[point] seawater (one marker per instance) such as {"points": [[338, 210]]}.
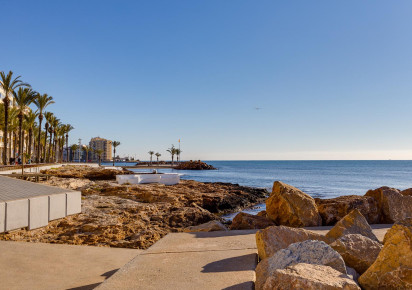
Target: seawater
{"points": [[324, 179]]}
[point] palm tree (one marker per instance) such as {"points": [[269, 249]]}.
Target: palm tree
{"points": [[30, 118], [42, 101], [73, 149], [8, 84], [157, 156], [115, 144], [99, 153], [151, 155], [178, 151], [68, 128], [24, 97], [172, 151], [49, 118], [86, 149]]}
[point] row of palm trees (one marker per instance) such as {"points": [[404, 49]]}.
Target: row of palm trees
{"points": [[19, 126], [172, 150]]}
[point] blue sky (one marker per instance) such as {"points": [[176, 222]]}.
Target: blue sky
{"points": [[333, 78]]}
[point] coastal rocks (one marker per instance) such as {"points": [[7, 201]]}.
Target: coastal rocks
{"points": [[244, 221], [393, 266], [310, 252], [333, 209], [91, 173], [194, 165], [358, 252], [290, 206], [353, 223], [273, 239], [407, 191], [211, 226], [309, 277], [392, 204]]}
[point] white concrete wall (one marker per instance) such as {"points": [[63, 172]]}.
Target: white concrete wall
{"points": [[17, 214], [2, 217], [38, 212], [57, 206], [73, 202]]}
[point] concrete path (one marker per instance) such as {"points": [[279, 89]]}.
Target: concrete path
{"points": [[54, 266], [215, 260]]}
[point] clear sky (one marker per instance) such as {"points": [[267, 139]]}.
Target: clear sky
{"points": [[333, 79]]}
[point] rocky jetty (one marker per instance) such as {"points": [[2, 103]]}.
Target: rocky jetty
{"points": [[194, 165], [244, 221]]}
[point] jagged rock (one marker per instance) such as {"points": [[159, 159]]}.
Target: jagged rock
{"points": [[262, 213], [353, 223], [211, 226], [352, 274], [393, 267], [194, 165], [334, 209], [91, 173], [244, 221], [392, 204], [358, 252], [290, 206], [273, 239], [407, 191], [310, 252], [308, 277]]}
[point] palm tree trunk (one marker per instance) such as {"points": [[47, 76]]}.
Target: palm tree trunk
{"points": [[30, 142], [67, 147], [20, 148], [46, 127], [6, 127], [39, 140], [50, 147]]}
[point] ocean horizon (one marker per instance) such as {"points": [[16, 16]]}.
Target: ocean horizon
{"points": [[318, 178]]}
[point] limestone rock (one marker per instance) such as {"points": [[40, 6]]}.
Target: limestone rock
{"points": [[334, 209], [211, 226], [290, 206], [244, 221], [392, 204], [262, 213], [308, 276], [358, 252], [273, 239], [353, 223], [310, 252], [352, 274], [407, 191], [393, 267]]}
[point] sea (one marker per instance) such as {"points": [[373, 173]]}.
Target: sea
{"points": [[324, 179]]}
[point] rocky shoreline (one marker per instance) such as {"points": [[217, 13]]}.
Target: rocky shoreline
{"points": [[135, 216]]}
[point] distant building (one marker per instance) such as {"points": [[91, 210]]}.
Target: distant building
{"points": [[103, 144]]}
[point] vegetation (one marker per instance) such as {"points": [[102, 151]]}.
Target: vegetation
{"points": [[115, 144], [99, 153], [157, 156], [172, 151], [20, 107], [151, 156]]}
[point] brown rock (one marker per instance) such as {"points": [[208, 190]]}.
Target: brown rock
{"points": [[290, 206], [262, 213], [407, 191], [309, 252], [393, 205], [244, 221], [334, 209], [273, 239], [393, 267], [353, 223], [211, 226], [308, 276], [358, 252]]}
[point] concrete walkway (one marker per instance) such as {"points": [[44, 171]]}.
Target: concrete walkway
{"points": [[52, 266]]}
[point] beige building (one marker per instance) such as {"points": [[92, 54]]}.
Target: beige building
{"points": [[103, 144]]}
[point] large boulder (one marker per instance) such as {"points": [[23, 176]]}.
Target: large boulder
{"points": [[407, 191], [290, 206], [334, 209], [309, 277], [273, 239], [392, 204], [352, 223], [211, 226], [245, 221], [310, 252], [393, 267], [358, 252]]}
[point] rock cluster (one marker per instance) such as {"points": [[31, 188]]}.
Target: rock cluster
{"points": [[85, 172], [244, 221], [194, 165]]}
